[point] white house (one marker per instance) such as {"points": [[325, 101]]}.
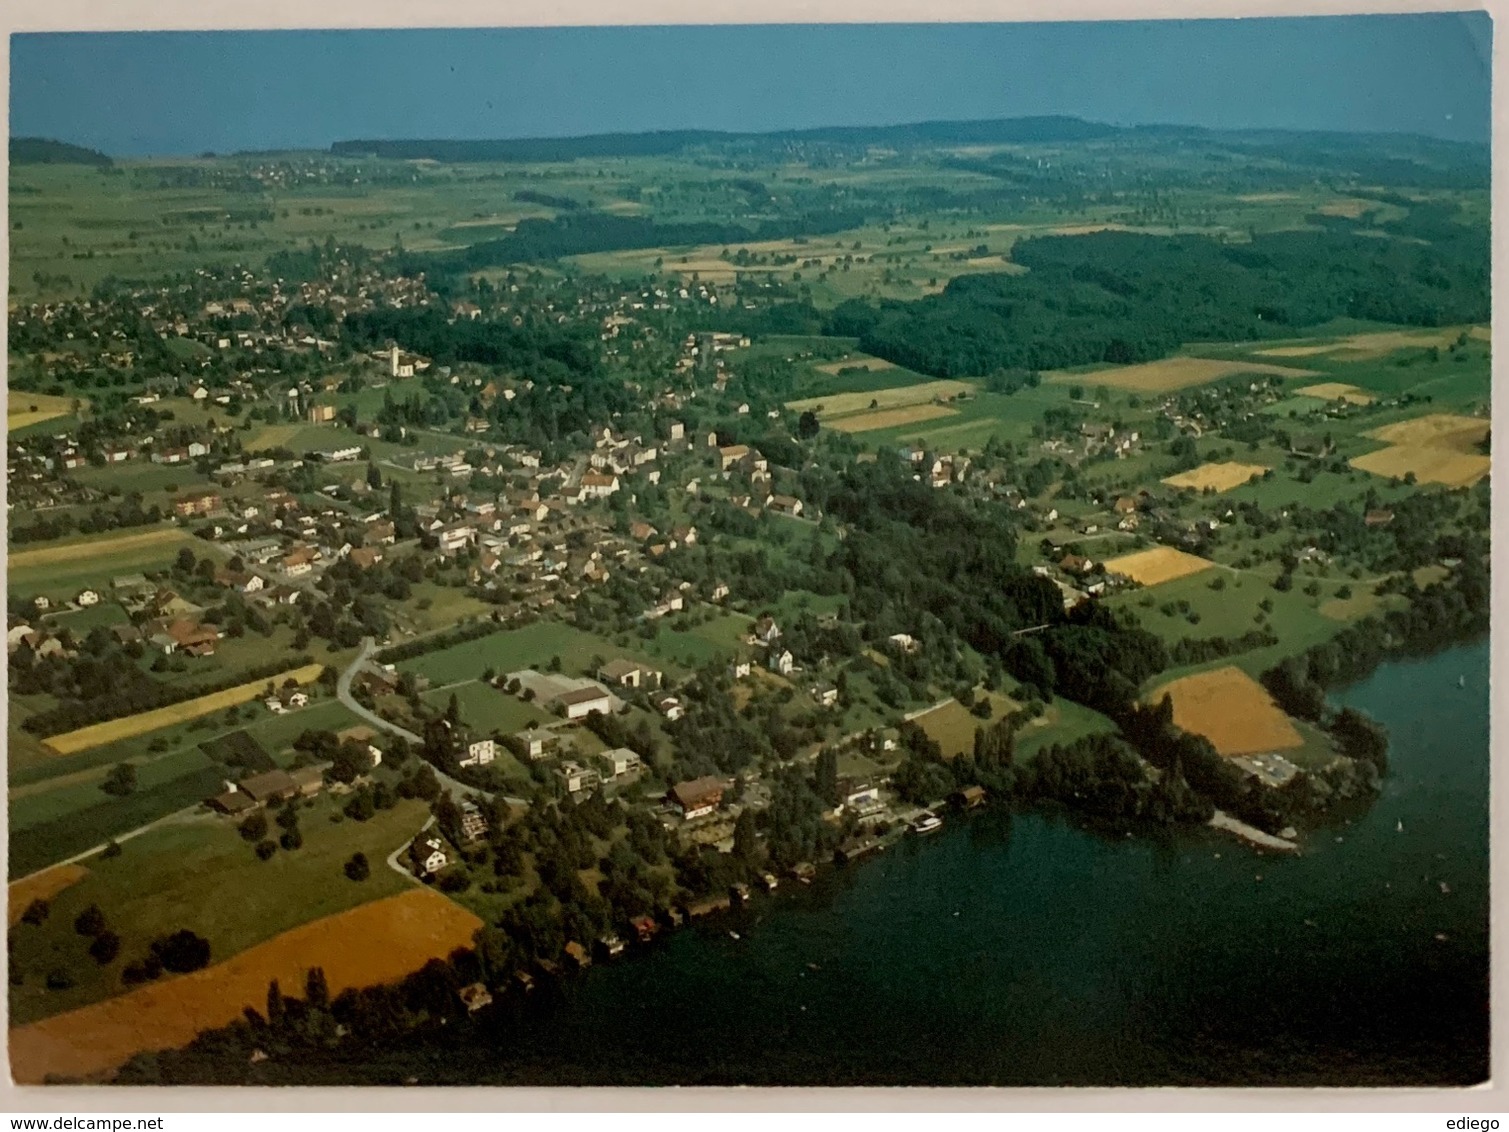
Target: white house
{"points": [[479, 753], [619, 761], [428, 853], [87, 597], [582, 702], [782, 662]]}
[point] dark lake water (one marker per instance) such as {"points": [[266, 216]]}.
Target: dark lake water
{"points": [[1027, 950]]}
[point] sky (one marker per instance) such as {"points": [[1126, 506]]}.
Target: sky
{"points": [[159, 93]]}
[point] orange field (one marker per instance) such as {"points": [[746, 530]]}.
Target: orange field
{"points": [[1438, 448], [42, 886], [890, 418], [1232, 710], [1158, 565], [1337, 391], [1171, 373], [375, 943], [1222, 477]]}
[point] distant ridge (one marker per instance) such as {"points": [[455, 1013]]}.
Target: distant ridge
{"points": [[46, 151], [659, 142]]}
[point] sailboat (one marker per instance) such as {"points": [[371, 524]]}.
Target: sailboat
{"points": [[1399, 827]]}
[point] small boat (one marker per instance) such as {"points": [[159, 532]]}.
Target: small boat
{"points": [[734, 935], [927, 822], [1399, 827], [1445, 889], [1461, 681]]}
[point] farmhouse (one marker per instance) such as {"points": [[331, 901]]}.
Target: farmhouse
{"points": [[427, 852], [271, 784], [696, 798], [782, 662]]}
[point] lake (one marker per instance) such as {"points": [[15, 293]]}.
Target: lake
{"points": [[1028, 950]]}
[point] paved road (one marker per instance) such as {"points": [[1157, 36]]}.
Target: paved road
{"points": [[457, 788]]}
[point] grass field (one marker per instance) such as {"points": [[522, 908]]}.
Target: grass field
{"points": [[487, 710], [1169, 374], [376, 943], [533, 646], [182, 874], [112, 730], [1232, 710], [1063, 721], [1157, 565], [952, 726], [1221, 477]]}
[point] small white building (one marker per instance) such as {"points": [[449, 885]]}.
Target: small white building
{"points": [[619, 761], [479, 753]]}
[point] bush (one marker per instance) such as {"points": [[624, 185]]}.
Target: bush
{"points": [[106, 946], [265, 849], [291, 839], [59, 979], [91, 921], [36, 912], [357, 868], [142, 972], [254, 828], [181, 952]]}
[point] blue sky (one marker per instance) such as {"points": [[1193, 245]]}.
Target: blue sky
{"points": [[165, 93]]}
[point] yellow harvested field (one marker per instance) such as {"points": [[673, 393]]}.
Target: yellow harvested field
{"points": [[1260, 198], [1436, 430], [1232, 710], [1172, 373], [873, 365], [1430, 465], [22, 409], [96, 548], [891, 418], [839, 404], [1362, 347], [98, 734], [1158, 565], [1438, 448], [41, 886], [1337, 391], [1222, 477], [376, 943]]}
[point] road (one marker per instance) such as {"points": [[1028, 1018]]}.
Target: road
{"points": [[457, 788]]}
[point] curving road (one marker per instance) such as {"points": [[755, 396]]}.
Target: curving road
{"points": [[457, 788]]}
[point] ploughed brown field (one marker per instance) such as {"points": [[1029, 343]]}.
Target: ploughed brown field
{"points": [[376, 943], [1232, 710]]}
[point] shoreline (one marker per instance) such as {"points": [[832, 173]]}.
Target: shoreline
{"points": [[1251, 834]]}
